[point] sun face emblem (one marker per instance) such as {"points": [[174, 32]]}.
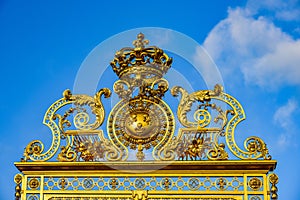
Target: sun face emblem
{"points": [[140, 124]]}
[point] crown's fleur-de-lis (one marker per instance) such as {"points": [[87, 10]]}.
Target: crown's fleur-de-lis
{"points": [[141, 41]]}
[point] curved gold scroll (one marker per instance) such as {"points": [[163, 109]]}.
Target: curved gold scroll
{"points": [[34, 151]]}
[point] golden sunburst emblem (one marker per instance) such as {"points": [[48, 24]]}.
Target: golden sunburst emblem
{"points": [[141, 123]]}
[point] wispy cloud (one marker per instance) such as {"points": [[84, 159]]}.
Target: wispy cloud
{"points": [[285, 10], [284, 118], [261, 51], [283, 114]]}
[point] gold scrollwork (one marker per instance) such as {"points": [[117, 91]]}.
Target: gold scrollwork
{"points": [[218, 153], [66, 155], [123, 89], [204, 143], [81, 119], [156, 87], [142, 120], [35, 147], [170, 151], [35, 150], [203, 117], [186, 101], [255, 147]]}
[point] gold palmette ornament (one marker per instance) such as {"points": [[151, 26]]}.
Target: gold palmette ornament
{"points": [[196, 158]]}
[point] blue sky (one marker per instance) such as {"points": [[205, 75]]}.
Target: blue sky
{"points": [[255, 45]]}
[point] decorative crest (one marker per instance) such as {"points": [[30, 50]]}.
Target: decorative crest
{"points": [[142, 121], [141, 127]]}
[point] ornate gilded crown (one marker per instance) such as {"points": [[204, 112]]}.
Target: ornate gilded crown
{"points": [[139, 61]]}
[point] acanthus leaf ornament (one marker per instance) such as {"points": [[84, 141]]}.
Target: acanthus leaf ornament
{"points": [[185, 104]]}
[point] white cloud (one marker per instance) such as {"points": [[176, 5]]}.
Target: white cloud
{"points": [[277, 67], [288, 15], [284, 118], [264, 54], [283, 115], [284, 10]]}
